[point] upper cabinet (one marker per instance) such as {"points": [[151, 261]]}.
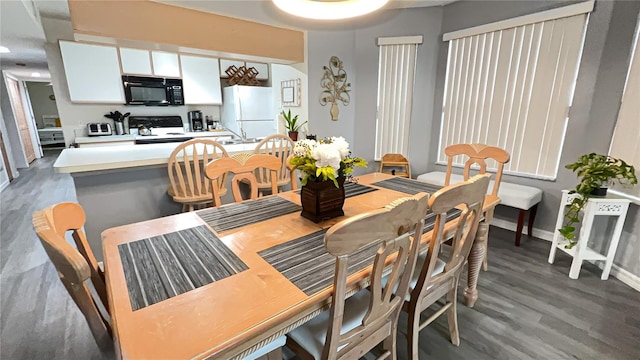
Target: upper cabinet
{"points": [[135, 61], [93, 73], [201, 80], [165, 64]]}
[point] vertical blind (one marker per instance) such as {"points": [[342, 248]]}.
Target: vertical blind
{"points": [[626, 138], [396, 71], [512, 87]]}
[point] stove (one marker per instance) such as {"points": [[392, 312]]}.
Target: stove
{"points": [[159, 125], [164, 129]]}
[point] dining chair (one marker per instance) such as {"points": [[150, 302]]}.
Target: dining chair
{"points": [[189, 185], [478, 154], [355, 325], [75, 266], [243, 167], [434, 278], [280, 146]]}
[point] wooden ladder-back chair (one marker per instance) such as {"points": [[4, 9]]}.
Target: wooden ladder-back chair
{"points": [[280, 146], [189, 185], [478, 154], [433, 278], [243, 167], [75, 266], [353, 326]]}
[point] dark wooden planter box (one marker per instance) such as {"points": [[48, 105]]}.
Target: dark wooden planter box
{"points": [[322, 200]]}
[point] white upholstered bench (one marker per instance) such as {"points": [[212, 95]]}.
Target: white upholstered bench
{"points": [[525, 198]]}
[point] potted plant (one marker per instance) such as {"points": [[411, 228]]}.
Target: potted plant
{"points": [[324, 165], [596, 173], [291, 124]]}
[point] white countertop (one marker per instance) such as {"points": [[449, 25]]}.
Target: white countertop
{"points": [[123, 138], [85, 159]]}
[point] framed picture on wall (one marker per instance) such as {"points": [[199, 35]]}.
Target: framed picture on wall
{"points": [[290, 92]]}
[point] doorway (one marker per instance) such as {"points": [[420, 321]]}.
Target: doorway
{"points": [[44, 109], [22, 122]]}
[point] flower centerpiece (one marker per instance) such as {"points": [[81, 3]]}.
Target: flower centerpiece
{"points": [[324, 164]]}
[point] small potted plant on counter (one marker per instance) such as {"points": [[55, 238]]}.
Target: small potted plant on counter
{"points": [[118, 118], [596, 173], [291, 124]]}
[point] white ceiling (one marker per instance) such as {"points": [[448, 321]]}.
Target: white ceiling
{"points": [[21, 29]]}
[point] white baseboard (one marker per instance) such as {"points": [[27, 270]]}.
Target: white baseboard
{"points": [[619, 273], [504, 224]]}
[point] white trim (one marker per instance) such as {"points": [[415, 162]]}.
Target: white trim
{"points": [[506, 172], [508, 225], [400, 40], [565, 11], [619, 273], [635, 199]]}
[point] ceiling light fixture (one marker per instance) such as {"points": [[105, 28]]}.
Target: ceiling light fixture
{"points": [[4, 50], [329, 9], [35, 74]]}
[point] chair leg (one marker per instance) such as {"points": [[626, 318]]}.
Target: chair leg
{"points": [[452, 315], [184, 208], [413, 333], [532, 218], [389, 344], [520, 226]]}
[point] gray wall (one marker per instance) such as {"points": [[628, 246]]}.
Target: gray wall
{"points": [[599, 87], [358, 49], [41, 104]]}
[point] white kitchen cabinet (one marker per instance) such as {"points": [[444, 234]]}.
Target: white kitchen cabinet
{"points": [[135, 61], [165, 64], [93, 73], [201, 80], [226, 63], [263, 70]]}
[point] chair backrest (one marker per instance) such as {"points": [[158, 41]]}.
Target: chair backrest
{"points": [[74, 266], [186, 168], [389, 231], [243, 167], [477, 154], [280, 146], [468, 196]]}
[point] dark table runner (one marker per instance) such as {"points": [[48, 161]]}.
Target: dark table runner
{"points": [[248, 212], [161, 267], [407, 186], [353, 189], [307, 264]]}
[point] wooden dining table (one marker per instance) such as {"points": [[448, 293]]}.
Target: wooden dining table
{"points": [[254, 302]]}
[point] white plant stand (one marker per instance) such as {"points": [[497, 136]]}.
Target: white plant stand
{"points": [[610, 205]]}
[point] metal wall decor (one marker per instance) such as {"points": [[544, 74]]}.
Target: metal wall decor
{"points": [[335, 86]]}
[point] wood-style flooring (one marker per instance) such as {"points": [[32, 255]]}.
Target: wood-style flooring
{"points": [[527, 309]]}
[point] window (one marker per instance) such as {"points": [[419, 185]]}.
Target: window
{"points": [[396, 71], [510, 84], [626, 137]]}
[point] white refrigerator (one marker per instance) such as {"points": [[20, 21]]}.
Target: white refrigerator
{"points": [[249, 109]]}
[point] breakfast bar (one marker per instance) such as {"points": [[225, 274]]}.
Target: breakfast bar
{"points": [[118, 185]]}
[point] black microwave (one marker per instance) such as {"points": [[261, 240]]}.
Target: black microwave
{"points": [[152, 91]]}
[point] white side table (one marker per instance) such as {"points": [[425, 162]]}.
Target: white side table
{"points": [[610, 205]]}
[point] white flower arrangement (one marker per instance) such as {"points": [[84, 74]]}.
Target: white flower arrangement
{"points": [[325, 159]]}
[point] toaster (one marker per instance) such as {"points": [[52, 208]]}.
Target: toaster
{"points": [[98, 129]]}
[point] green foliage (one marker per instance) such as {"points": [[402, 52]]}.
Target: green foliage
{"points": [[291, 122], [303, 160], [595, 171]]}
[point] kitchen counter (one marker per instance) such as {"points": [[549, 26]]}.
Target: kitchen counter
{"points": [[89, 159], [110, 140], [118, 185]]}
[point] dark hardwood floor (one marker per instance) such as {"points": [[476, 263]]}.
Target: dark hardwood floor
{"points": [[527, 309]]}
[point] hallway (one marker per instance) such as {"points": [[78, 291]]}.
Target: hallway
{"points": [[38, 318]]}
